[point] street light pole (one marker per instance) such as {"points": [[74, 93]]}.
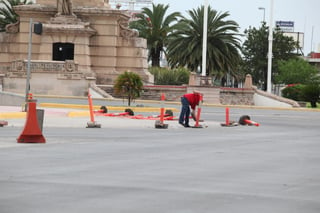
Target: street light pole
{"points": [[270, 39], [264, 13], [29, 64], [204, 39]]}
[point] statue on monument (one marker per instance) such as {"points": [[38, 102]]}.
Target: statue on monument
{"points": [[65, 7]]}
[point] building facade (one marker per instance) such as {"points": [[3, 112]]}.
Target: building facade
{"points": [[78, 42]]}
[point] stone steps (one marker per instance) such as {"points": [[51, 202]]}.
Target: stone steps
{"points": [[211, 95]]}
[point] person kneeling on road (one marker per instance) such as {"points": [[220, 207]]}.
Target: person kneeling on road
{"points": [[189, 100]]}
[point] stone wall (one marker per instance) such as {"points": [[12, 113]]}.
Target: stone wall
{"points": [[172, 93], [46, 77], [11, 99], [64, 87], [236, 96], [227, 96]]}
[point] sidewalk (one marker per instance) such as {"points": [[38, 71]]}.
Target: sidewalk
{"points": [[72, 110], [13, 112], [76, 115]]}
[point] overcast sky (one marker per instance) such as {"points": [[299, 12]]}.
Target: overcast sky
{"points": [[304, 13]]}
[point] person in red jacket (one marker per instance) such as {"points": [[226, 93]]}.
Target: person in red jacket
{"points": [[189, 100]]}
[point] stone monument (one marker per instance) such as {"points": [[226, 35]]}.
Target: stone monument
{"points": [[64, 7], [81, 42]]}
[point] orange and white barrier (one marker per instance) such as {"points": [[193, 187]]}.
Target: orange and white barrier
{"points": [[245, 120], [159, 124], [250, 122], [91, 123]]}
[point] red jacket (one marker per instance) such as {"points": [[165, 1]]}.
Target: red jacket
{"points": [[193, 99]]}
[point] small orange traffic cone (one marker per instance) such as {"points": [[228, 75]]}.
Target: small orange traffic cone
{"points": [[245, 120]]}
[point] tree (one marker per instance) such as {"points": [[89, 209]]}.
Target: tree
{"points": [[302, 79], [155, 26], [293, 91], [295, 71], [185, 43], [128, 84], [7, 14], [255, 51]]}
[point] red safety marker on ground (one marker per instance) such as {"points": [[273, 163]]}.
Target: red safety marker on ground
{"points": [[3, 123], [115, 114]]}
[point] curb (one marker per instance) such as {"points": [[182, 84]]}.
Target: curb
{"points": [[178, 103], [12, 115], [19, 115], [122, 109], [112, 108]]}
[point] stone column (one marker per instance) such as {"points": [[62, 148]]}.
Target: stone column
{"points": [[248, 82]]}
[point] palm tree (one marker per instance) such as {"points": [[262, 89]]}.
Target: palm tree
{"points": [[185, 44], [7, 14], [155, 26]]}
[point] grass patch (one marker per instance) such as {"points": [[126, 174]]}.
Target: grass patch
{"points": [[309, 105]]}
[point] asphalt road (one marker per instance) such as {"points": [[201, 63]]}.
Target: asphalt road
{"points": [[128, 166]]}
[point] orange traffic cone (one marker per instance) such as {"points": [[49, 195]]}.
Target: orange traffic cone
{"points": [[31, 132], [245, 120]]}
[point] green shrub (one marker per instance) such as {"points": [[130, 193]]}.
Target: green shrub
{"points": [[311, 93], [298, 92], [293, 92], [163, 76], [128, 84]]}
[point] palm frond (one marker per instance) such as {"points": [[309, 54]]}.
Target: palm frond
{"points": [[185, 43], [7, 13]]}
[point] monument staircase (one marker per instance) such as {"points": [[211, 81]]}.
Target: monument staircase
{"points": [[211, 95]]}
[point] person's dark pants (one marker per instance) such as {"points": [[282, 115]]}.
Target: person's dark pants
{"points": [[185, 112]]}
